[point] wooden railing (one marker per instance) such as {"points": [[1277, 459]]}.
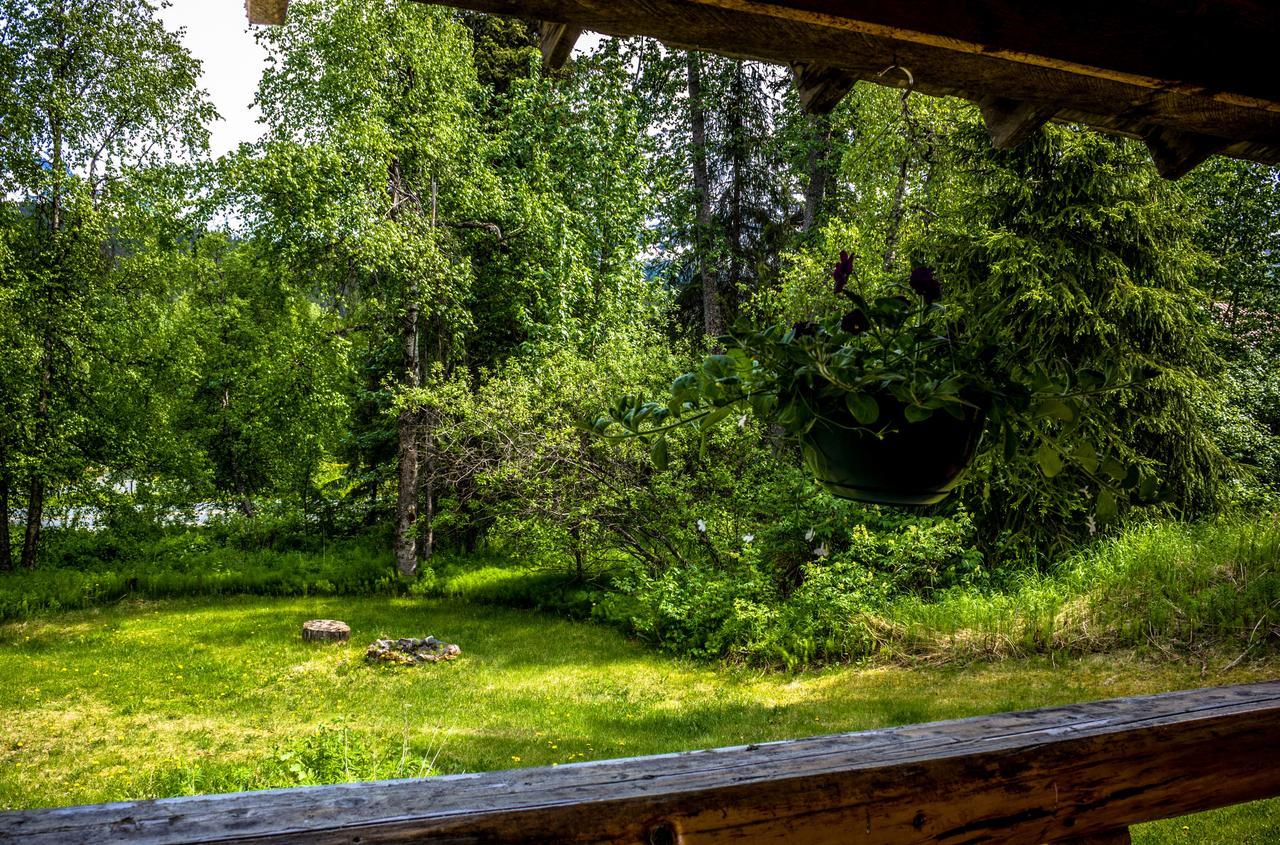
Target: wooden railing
{"points": [[1082, 773]]}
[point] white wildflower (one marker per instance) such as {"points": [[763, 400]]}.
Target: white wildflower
{"points": [[808, 536], [822, 551], [702, 526], [747, 538]]}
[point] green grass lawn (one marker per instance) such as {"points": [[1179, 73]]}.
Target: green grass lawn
{"points": [[211, 695]]}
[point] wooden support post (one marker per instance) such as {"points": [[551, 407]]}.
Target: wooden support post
{"points": [[1178, 153], [1010, 122], [558, 40], [821, 88]]}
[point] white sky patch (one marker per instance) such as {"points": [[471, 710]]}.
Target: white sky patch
{"points": [[217, 33]]}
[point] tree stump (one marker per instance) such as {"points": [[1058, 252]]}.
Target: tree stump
{"points": [[326, 631]]}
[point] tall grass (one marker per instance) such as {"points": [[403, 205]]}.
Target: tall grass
{"points": [[1167, 586], [92, 571]]}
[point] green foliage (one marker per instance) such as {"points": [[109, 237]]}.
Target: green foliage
{"points": [[1165, 586], [93, 92], [198, 696], [883, 367], [91, 569], [1071, 249]]}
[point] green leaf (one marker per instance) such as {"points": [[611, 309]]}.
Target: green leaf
{"points": [[795, 416], [1115, 468], [709, 421], [1087, 456], [1106, 507], [864, 408], [1049, 460], [1055, 409], [1010, 443], [763, 405], [658, 453], [915, 414]]}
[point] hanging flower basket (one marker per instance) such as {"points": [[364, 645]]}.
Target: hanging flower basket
{"points": [[910, 463], [888, 402]]}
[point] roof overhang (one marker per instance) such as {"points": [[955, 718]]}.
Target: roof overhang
{"points": [[1189, 78]]}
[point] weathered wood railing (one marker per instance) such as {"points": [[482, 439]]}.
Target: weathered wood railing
{"points": [[1080, 773]]}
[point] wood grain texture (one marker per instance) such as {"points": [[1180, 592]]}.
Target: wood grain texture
{"points": [[326, 630], [1114, 837], [1178, 153], [270, 12], [1010, 122], [821, 88], [1199, 68], [1054, 775], [558, 41]]}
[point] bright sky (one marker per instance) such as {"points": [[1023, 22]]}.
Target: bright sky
{"points": [[217, 33]]}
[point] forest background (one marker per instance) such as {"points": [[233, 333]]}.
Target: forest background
{"points": [[354, 355]]}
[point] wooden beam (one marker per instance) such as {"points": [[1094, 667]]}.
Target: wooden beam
{"points": [[1178, 153], [1081, 772], [558, 41], [1010, 122], [1060, 53], [1114, 837], [1220, 48], [271, 12], [820, 87]]}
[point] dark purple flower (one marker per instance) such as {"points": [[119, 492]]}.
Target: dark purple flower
{"points": [[923, 283], [855, 322], [804, 328], [842, 271]]}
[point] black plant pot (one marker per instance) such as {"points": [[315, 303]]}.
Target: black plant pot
{"points": [[914, 464]]}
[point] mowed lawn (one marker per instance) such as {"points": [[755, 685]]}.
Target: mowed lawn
{"points": [[163, 698]]}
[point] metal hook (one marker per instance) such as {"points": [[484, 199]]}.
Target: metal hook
{"points": [[906, 97], [911, 80]]}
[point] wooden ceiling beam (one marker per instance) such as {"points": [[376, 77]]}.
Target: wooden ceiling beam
{"points": [[820, 87], [558, 41], [1010, 122], [269, 12], [862, 38], [1178, 153], [1220, 49]]}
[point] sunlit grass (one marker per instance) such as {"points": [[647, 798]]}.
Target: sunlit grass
{"points": [[163, 698]]}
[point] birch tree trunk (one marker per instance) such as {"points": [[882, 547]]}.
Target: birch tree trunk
{"points": [[894, 227]]}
